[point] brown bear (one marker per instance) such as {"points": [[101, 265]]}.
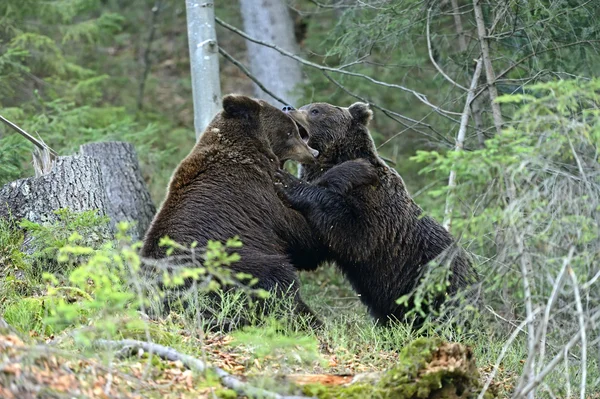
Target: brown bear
{"points": [[360, 209], [224, 188]]}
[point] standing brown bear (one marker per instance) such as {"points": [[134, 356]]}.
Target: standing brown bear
{"points": [[224, 188], [361, 210]]}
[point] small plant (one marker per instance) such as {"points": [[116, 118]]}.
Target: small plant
{"points": [[44, 240]]}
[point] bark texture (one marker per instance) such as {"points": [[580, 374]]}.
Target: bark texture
{"points": [[270, 21], [74, 182], [126, 191], [204, 62]]}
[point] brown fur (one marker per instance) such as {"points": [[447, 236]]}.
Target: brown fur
{"points": [[361, 210], [224, 188]]}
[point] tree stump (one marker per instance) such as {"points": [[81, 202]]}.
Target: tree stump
{"points": [[127, 193], [75, 182]]}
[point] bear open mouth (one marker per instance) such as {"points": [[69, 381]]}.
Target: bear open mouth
{"points": [[302, 124], [303, 132]]}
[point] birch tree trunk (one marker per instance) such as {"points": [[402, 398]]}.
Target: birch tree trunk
{"points": [[204, 62], [126, 190], [270, 21]]}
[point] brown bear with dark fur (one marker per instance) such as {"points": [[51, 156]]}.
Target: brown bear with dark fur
{"points": [[224, 188], [361, 210]]}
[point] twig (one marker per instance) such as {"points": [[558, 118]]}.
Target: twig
{"points": [[551, 300], [582, 331], [36, 142], [389, 113], [538, 379], [460, 139], [528, 56], [164, 352], [249, 74], [503, 352], [435, 64], [421, 97], [531, 341], [334, 6], [147, 61]]}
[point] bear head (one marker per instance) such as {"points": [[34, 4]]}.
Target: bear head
{"points": [[339, 134], [287, 135]]}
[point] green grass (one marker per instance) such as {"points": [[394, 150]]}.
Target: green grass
{"points": [[348, 343]]}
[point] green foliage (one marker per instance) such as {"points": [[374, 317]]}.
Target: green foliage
{"points": [[98, 287], [56, 83], [530, 204], [87, 228]]}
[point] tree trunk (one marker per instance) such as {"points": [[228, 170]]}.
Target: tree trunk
{"points": [[270, 21], [487, 65], [74, 182], [126, 191], [204, 62]]}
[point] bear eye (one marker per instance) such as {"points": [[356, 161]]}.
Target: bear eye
{"points": [[314, 111]]}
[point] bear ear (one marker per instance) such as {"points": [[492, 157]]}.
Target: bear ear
{"points": [[237, 106], [361, 113]]}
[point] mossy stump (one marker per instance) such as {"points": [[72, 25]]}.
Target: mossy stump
{"points": [[428, 368]]}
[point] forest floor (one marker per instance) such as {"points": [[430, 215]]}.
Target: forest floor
{"points": [[272, 356]]}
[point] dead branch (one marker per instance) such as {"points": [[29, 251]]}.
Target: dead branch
{"points": [[435, 64], [421, 97], [166, 353], [390, 114], [42, 146], [582, 333], [554, 362], [249, 74], [460, 139]]}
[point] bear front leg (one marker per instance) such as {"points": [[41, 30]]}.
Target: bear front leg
{"points": [[348, 175], [292, 190]]}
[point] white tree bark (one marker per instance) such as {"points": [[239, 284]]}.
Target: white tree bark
{"points": [[270, 21], [204, 62], [460, 140]]}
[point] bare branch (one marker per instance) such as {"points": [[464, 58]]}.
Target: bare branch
{"points": [[581, 331], [421, 97], [531, 341], [528, 56], [435, 64], [390, 114], [250, 75], [42, 146], [460, 139], [167, 353], [503, 352], [551, 300], [559, 356]]}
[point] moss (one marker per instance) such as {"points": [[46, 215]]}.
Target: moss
{"points": [[427, 368], [226, 393]]}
